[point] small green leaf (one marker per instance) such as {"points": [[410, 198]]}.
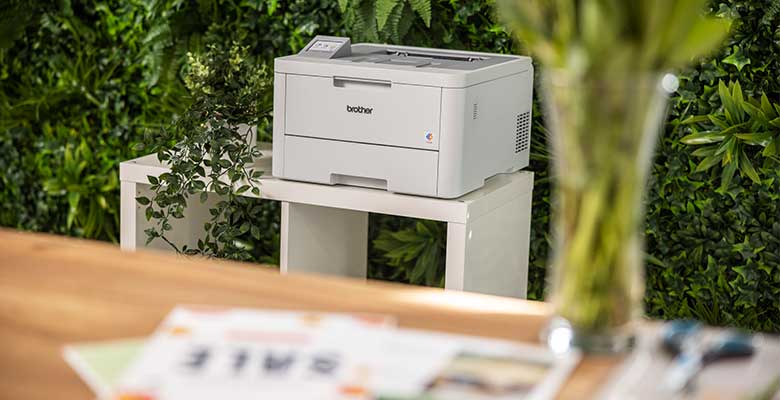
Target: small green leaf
{"points": [[695, 119], [243, 245], [419, 269], [725, 147], [726, 100], [272, 4], [704, 151], [752, 110], [422, 229], [758, 138], [766, 107], [718, 120], [728, 173], [737, 58], [747, 167], [708, 163], [382, 10], [736, 93], [423, 9], [703, 138], [406, 235], [772, 148], [101, 200]]}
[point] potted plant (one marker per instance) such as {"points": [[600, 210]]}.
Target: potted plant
{"points": [[605, 87], [210, 149]]}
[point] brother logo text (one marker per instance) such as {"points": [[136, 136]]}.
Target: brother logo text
{"points": [[359, 109]]}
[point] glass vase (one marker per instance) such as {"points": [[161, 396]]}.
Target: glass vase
{"points": [[603, 133]]}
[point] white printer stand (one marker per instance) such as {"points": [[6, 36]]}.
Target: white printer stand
{"points": [[324, 229]]}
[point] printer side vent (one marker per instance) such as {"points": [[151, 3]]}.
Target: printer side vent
{"points": [[523, 132], [475, 111]]}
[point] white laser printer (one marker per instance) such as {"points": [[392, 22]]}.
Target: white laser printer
{"points": [[409, 120]]}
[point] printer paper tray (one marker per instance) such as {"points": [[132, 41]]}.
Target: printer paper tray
{"points": [[396, 169]]}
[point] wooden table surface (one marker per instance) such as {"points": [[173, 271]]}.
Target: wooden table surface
{"points": [[55, 290]]}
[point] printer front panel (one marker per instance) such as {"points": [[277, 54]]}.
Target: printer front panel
{"points": [[363, 111]]}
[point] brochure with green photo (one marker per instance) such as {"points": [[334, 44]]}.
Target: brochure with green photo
{"points": [[100, 364]]}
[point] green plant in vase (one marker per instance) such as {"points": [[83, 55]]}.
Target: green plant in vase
{"points": [[605, 88], [210, 148]]}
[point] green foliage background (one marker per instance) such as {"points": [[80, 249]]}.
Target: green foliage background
{"points": [[81, 81]]}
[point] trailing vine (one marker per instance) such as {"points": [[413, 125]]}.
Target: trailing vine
{"points": [[210, 150]]}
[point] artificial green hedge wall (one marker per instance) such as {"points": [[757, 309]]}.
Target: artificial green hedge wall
{"points": [[80, 81], [716, 255]]}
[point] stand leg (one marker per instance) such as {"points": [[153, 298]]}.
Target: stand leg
{"points": [[490, 253], [455, 260], [127, 216], [323, 240]]}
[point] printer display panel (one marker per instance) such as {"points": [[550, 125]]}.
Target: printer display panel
{"points": [[325, 45]]}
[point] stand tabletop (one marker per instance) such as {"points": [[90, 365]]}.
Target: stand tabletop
{"points": [[55, 291], [497, 191]]}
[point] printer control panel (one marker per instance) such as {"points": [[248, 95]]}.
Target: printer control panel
{"points": [[327, 47]]}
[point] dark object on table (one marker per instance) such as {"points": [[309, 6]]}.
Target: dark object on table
{"points": [[692, 352]]}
